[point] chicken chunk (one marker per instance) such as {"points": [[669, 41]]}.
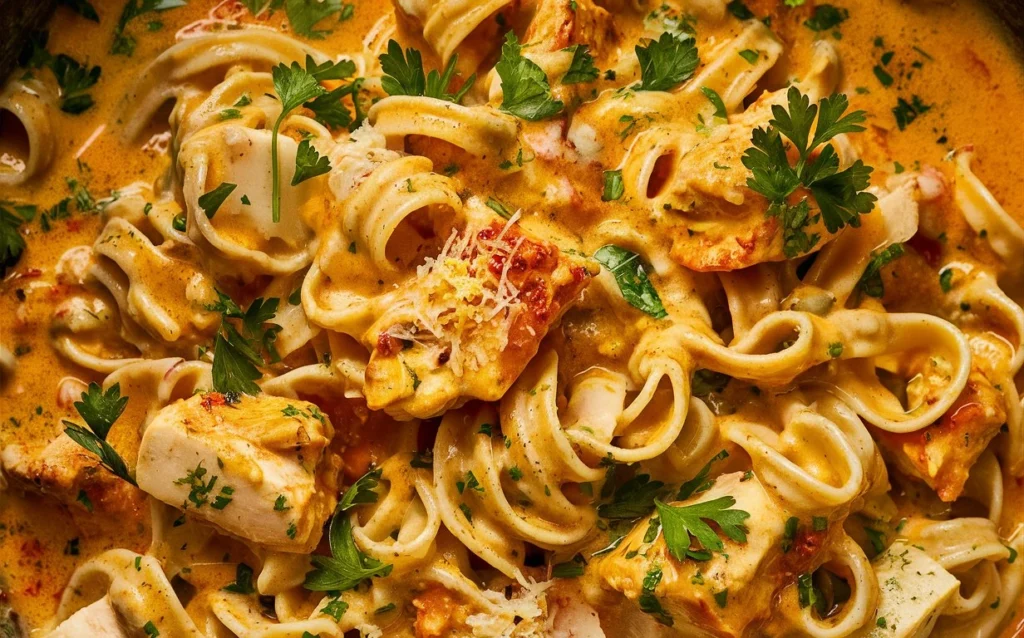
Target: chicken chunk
{"points": [[97, 619], [467, 325], [943, 453], [68, 472], [255, 467], [735, 588], [558, 24], [913, 591]]}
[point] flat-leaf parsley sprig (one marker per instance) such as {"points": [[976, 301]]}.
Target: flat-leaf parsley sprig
{"points": [[295, 86], [526, 92], [840, 195], [100, 410], [346, 567]]}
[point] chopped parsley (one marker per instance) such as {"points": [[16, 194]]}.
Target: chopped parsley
{"points": [[12, 244], [335, 609], [569, 569], [309, 163], [243, 581], [826, 17], [124, 44], [946, 280], [648, 601], [750, 55], [281, 503], [906, 112], [212, 200], [74, 80], [362, 491], [581, 68], [613, 186], [835, 349], [716, 101], [631, 275], [236, 354], [871, 280]]}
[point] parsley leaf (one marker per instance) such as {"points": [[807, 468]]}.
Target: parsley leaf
{"points": [[682, 522], [83, 8], [648, 601], [581, 68], [569, 569], [740, 10], [329, 110], [12, 244], [825, 17], [633, 499], [100, 410], [74, 79], [294, 86], [212, 200], [361, 492], [240, 354], [243, 580], [335, 609], [404, 75], [613, 186], [631, 276], [346, 567], [716, 101], [309, 163], [667, 62], [871, 280], [906, 112], [526, 92], [125, 44], [700, 482], [34, 54], [304, 15]]}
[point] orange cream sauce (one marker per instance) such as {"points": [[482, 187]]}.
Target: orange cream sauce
{"points": [[950, 54]]}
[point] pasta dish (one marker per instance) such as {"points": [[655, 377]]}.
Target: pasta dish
{"points": [[568, 318]]}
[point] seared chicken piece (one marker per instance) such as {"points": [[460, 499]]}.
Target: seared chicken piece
{"points": [[467, 325], [558, 24], [735, 588], [943, 453], [71, 474], [913, 591], [255, 467]]}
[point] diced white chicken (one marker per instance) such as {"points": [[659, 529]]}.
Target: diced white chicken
{"points": [[68, 472], [913, 591], [98, 619], [752, 572], [255, 467]]}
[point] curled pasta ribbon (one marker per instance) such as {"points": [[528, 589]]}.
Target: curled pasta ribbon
{"points": [[240, 232], [127, 264], [1003, 582], [895, 341], [131, 587], [968, 548], [448, 24], [811, 464], [163, 381], [384, 195], [407, 504], [182, 70], [985, 485], [474, 472], [243, 616], [984, 213], [847, 560], [481, 131], [87, 329], [654, 417], [30, 103], [836, 272]]}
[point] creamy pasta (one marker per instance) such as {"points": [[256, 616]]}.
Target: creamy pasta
{"points": [[512, 318]]}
